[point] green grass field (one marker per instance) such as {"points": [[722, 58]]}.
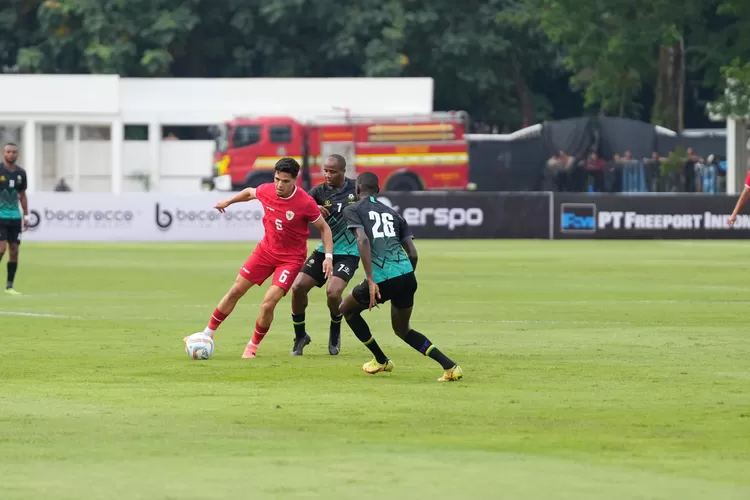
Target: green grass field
{"points": [[593, 370]]}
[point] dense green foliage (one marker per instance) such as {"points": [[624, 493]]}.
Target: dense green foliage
{"points": [[509, 62]]}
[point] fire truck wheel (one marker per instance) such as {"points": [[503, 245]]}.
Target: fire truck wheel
{"points": [[403, 183]]}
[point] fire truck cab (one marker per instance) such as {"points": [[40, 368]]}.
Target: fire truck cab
{"points": [[407, 153]]}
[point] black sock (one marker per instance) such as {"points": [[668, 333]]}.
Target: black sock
{"points": [[12, 267], [298, 320], [423, 345], [336, 325], [359, 326]]}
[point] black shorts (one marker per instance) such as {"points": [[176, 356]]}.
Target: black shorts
{"points": [[400, 291], [344, 267], [10, 230]]}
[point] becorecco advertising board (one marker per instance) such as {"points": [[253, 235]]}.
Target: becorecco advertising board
{"points": [[140, 217], [655, 216]]}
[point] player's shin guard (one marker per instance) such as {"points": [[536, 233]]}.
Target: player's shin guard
{"points": [[362, 331], [298, 320], [423, 345], [12, 268], [217, 318], [260, 332], [336, 325]]}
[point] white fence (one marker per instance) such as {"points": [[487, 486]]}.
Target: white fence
{"points": [[87, 166], [143, 217]]}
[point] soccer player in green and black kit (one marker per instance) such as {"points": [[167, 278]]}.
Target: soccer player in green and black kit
{"points": [[333, 196], [12, 192], [389, 259]]}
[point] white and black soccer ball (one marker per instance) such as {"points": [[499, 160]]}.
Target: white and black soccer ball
{"points": [[199, 346]]}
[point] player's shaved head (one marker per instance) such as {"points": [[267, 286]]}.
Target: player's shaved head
{"points": [[10, 153], [367, 184], [338, 160], [334, 170]]}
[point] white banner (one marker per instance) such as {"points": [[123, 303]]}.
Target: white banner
{"points": [[142, 217]]}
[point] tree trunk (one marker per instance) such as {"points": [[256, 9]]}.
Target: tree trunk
{"points": [[670, 88], [681, 89], [525, 100]]}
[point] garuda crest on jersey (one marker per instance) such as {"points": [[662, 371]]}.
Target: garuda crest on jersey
{"points": [[289, 215]]}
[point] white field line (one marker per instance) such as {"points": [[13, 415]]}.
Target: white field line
{"points": [[37, 315]]}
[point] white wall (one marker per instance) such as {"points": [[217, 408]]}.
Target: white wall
{"points": [[182, 164], [203, 101], [67, 95]]}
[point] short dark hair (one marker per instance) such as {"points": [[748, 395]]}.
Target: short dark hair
{"points": [[13, 144], [289, 166], [367, 181], [340, 160]]}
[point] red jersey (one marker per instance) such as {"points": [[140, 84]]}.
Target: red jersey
{"points": [[747, 180], [286, 222]]}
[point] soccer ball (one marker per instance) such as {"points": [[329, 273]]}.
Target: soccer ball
{"points": [[199, 346]]}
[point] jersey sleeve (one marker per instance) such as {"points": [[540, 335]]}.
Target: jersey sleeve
{"points": [[261, 192], [312, 212], [404, 230], [24, 182], [352, 218], [315, 194], [747, 180]]}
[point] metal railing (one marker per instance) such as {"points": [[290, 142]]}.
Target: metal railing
{"points": [[638, 177]]}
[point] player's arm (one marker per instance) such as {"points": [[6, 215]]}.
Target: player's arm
{"points": [[326, 235], [407, 242], [25, 207], [246, 194], [355, 224], [411, 250], [365, 255], [23, 200], [740, 202], [315, 194]]}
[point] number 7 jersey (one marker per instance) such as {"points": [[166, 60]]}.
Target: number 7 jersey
{"points": [[386, 230]]}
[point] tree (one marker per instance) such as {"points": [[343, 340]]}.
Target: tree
{"points": [[130, 37], [734, 102], [18, 28], [611, 47]]}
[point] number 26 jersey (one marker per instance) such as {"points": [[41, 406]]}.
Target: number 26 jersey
{"points": [[386, 230]]}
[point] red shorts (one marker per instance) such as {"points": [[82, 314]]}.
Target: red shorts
{"points": [[260, 265]]}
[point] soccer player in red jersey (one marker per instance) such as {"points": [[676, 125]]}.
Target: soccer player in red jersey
{"points": [[288, 211], [741, 201]]}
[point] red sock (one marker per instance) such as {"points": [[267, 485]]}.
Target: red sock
{"points": [[216, 319], [260, 332]]}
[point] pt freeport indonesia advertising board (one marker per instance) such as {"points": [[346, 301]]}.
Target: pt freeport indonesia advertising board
{"points": [[662, 216]]}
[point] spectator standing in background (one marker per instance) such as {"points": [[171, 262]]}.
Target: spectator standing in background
{"points": [[653, 171], [689, 170], [558, 170], [595, 168]]}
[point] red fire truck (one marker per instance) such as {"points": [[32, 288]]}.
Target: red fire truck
{"points": [[407, 153]]}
